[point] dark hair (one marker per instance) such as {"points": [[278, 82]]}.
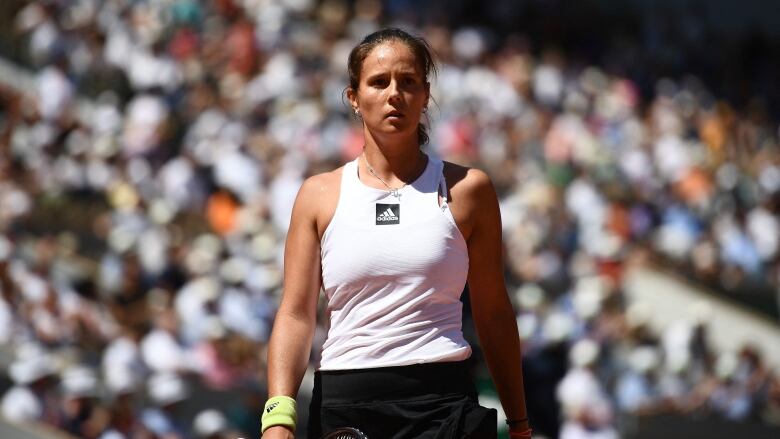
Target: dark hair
{"points": [[419, 47]]}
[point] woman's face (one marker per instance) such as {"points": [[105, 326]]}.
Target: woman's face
{"points": [[392, 92]]}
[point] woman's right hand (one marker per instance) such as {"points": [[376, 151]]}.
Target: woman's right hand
{"points": [[278, 432]]}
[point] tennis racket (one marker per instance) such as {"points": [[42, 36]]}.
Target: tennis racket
{"points": [[345, 433]]}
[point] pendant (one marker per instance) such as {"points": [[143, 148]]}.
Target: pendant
{"points": [[394, 192]]}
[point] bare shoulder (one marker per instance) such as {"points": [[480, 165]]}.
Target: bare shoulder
{"points": [[469, 184], [321, 184], [319, 196], [471, 196]]}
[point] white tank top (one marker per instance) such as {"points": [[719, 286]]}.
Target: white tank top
{"points": [[393, 271]]}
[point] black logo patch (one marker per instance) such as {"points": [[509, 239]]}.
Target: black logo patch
{"points": [[388, 214]]}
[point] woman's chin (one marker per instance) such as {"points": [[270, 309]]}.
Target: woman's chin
{"points": [[398, 135], [399, 125], [393, 129]]}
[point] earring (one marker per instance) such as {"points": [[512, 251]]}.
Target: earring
{"points": [[425, 109], [357, 112]]}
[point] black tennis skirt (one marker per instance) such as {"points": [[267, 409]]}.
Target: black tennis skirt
{"points": [[436, 400]]}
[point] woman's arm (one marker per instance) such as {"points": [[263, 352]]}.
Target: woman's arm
{"points": [[291, 338], [492, 311]]}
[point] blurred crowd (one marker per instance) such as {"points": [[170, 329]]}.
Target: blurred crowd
{"points": [[142, 229]]}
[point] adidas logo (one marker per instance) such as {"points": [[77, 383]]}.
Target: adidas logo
{"points": [[388, 214], [270, 408]]}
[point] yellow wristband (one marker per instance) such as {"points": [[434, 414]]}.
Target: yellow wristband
{"points": [[279, 410]]}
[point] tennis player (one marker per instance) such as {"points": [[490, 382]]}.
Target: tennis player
{"points": [[392, 238]]}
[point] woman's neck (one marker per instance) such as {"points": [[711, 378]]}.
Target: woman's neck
{"points": [[396, 164]]}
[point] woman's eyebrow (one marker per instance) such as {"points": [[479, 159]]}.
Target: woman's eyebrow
{"points": [[376, 75], [409, 72]]}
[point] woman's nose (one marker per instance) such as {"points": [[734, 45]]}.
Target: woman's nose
{"points": [[395, 90]]}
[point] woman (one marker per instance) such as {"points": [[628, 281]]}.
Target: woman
{"points": [[392, 238]]}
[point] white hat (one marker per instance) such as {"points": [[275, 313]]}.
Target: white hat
{"points": [[609, 247], [204, 254], [263, 247], [529, 296], [264, 277], [700, 312], [468, 44], [588, 294], [26, 370], [557, 327], [161, 211], [209, 422], [112, 434], [527, 324], [6, 248], [33, 287], [209, 243], [200, 261], [234, 270], [726, 365], [637, 314], [29, 349], [677, 361], [584, 353], [122, 380], [21, 405], [248, 220], [206, 287], [213, 328], [644, 359], [79, 381], [167, 388], [581, 264]]}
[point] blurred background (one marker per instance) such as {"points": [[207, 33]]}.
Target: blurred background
{"points": [[150, 152]]}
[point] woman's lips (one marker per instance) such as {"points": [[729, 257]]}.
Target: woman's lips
{"points": [[396, 114]]}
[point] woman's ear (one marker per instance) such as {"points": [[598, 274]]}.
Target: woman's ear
{"points": [[352, 97]]}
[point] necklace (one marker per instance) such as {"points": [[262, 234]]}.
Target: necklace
{"points": [[393, 191]]}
